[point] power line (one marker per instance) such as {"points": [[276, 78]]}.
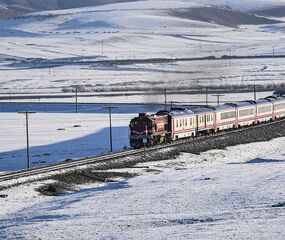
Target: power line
{"points": [[27, 136]]}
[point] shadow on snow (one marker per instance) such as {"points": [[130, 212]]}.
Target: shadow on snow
{"points": [[90, 145], [260, 160]]}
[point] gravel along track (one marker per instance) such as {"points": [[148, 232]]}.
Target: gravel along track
{"points": [[105, 171]]}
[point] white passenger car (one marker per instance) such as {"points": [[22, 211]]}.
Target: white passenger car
{"points": [[264, 110], [246, 113], [226, 117], [183, 123]]}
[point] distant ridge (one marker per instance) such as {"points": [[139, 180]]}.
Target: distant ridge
{"points": [[14, 8]]}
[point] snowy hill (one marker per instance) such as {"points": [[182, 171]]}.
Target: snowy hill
{"points": [[17, 7], [14, 8], [70, 43]]}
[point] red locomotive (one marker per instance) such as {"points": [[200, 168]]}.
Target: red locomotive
{"points": [[149, 130]]}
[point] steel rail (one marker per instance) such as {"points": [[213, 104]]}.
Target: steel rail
{"points": [[97, 159]]}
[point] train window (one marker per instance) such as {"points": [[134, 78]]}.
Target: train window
{"points": [[183, 122], [227, 115], [264, 109], [246, 112], [186, 121], [180, 122], [176, 123], [279, 106], [190, 121]]}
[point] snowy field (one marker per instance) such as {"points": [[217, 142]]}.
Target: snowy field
{"points": [[56, 137], [51, 52], [216, 195], [133, 98]]}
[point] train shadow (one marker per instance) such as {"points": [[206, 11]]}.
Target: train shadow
{"points": [[91, 145]]}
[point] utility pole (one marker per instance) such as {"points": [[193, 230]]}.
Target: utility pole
{"points": [[254, 92], [165, 98], [218, 97], [206, 96], [110, 119], [76, 100], [27, 136], [230, 53], [200, 43], [171, 56]]}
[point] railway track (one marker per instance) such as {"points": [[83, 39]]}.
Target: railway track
{"points": [[104, 158]]}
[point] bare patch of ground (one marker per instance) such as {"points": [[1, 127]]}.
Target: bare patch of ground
{"points": [[221, 16], [277, 11], [68, 181]]}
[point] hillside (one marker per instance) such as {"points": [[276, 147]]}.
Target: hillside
{"points": [[127, 47], [15, 8]]}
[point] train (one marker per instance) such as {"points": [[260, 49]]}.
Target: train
{"points": [[178, 123]]}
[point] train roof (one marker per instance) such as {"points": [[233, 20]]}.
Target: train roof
{"points": [[176, 112], [202, 109], [197, 109], [262, 101], [241, 104], [275, 98], [223, 107]]}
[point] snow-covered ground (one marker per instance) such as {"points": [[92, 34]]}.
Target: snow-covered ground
{"points": [[54, 51], [220, 194], [56, 137], [12, 102]]}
